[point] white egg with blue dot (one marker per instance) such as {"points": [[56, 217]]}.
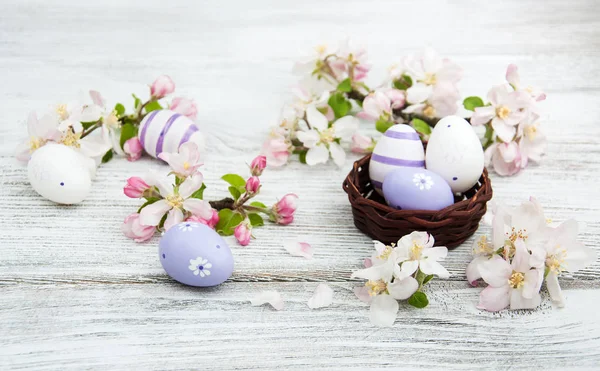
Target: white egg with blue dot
{"points": [[400, 146], [60, 173], [454, 152]]}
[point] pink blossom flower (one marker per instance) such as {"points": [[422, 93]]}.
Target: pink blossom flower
{"points": [[252, 185], [135, 187], [39, 132], [284, 209], [350, 58], [133, 149], [376, 106], [512, 76], [432, 101], [506, 111], [362, 143], [185, 106], [186, 162], [212, 222], [513, 284], [134, 229], [175, 201], [162, 87], [532, 142], [258, 165], [506, 158], [243, 232], [277, 150], [429, 68]]}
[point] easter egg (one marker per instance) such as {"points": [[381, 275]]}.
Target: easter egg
{"points": [[454, 152], [165, 131], [60, 173], [194, 254], [399, 146], [416, 189]]}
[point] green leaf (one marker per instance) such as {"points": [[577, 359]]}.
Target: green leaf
{"points": [[119, 109], [258, 204], [152, 106], [383, 125], [89, 124], [234, 179], [228, 220], [403, 83], [107, 156], [199, 193], [471, 103], [137, 101], [427, 279], [256, 220], [235, 192], [421, 126], [339, 104], [418, 300], [149, 202], [302, 157], [345, 86], [163, 220], [128, 131]]}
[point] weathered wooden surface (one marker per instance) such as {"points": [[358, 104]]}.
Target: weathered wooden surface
{"points": [[75, 293]]}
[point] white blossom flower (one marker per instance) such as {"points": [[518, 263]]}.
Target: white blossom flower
{"points": [[322, 140], [200, 266], [416, 251]]}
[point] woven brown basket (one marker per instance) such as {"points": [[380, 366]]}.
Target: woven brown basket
{"points": [[450, 226]]}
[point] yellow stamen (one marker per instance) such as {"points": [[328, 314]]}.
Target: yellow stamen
{"points": [[416, 251], [430, 79], [376, 287], [71, 139], [517, 234], [386, 253], [502, 112], [556, 262], [62, 112], [35, 143], [483, 246], [429, 111], [112, 120], [531, 131], [186, 165], [516, 280], [175, 201], [321, 49], [327, 136]]}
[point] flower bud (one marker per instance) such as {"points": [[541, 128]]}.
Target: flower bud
{"points": [[362, 144], [242, 233], [252, 185], [133, 229], [283, 211], [184, 106], [135, 187], [212, 222], [162, 87], [133, 149], [258, 165]]}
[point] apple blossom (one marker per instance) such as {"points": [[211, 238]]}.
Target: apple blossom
{"points": [[133, 149], [258, 165], [135, 187], [277, 150], [186, 162], [429, 68], [252, 185], [505, 158], [532, 142], [134, 229], [283, 211], [39, 132], [416, 251], [243, 233], [212, 222], [512, 77], [185, 106], [362, 143], [432, 101], [162, 87], [376, 106]]}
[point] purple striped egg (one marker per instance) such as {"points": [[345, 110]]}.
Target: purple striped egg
{"points": [[194, 254], [399, 147], [166, 130]]}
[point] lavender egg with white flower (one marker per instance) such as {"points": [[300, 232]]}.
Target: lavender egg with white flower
{"points": [[166, 130], [454, 152], [399, 147], [194, 254], [61, 174], [416, 189]]}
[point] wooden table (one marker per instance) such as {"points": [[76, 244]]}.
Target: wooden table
{"points": [[76, 294]]}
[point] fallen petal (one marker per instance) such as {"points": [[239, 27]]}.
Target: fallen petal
{"points": [[362, 293], [302, 249], [323, 297], [270, 297]]}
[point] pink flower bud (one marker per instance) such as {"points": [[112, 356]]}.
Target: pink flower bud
{"points": [[133, 229], [284, 209], [133, 149], [135, 187], [212, 222], [162, 87], [242, 233], [362, 144], [258, 165], [186, 107], [252, 185]]}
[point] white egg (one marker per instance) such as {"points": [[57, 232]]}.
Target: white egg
{"points": [[454, 152], [60, 173], [399, 146], [166, 130]]}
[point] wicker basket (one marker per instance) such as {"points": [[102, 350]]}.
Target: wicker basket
{"points": [[450, 226]]}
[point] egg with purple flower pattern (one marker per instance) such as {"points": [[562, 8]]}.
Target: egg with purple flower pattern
{"points": [[194, 254], [166, 130], [416, 189], [399, 147]]}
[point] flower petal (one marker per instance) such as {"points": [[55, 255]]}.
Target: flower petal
{"points": [[482, 115], [495, 271], [271, 297], [384, 310], [323, 297], [494, 299], [362, 293], [191, 185], [316, 119], [429, 266], [436, 253], [408, 267], [200, 208], [402, 289], [383, 271], [175, 217], [337, 154], [153, 213], [317, 155], [473, 270], [302, 249], [517, 301], [554, 290], [418, 93], [345, 127], [309, 138]]}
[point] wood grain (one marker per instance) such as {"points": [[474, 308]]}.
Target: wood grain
{"points": [[76, 294]]}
